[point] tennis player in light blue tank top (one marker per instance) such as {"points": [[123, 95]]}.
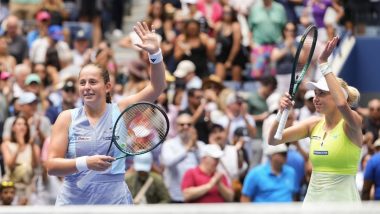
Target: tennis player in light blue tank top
{"points": [[81, 137], [85, 139]]}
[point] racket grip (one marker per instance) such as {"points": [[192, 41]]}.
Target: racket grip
{"points": [[86, 179], [281, 125]]}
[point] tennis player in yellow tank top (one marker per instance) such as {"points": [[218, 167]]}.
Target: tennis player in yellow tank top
{"points": [[336, 137]]}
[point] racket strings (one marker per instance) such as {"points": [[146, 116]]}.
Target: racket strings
{"points": [[140, 129], [305, 53]]}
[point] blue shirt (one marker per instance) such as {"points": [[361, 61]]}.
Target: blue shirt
{"points": [[372, 173], [295, 160], [261, 185]]}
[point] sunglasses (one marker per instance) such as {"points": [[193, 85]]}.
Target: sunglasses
{"points": [[185, 124], [374, 109], [67, 90], [7, 184], [290, 30]]}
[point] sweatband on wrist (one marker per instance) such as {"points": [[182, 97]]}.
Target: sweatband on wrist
{"points": [[324, 68], [156, 57], [278, 116], [81, 163]]}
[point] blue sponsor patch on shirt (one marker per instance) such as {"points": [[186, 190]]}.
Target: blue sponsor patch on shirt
{"points": [[321, 152]]}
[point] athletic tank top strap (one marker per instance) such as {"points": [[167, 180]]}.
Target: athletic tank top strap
{"points": [[119, 165], [333, 152]]}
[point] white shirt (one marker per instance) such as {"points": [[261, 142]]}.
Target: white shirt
{"points": [[237, 122], [229, 162], [177, 161]]}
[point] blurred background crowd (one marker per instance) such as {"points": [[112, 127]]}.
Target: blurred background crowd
{"points": [[227, 64]]}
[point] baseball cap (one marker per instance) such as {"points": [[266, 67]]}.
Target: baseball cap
{"points": [[212, 150], [322, 85], [143, 162], [218, 117], [309, 94], [43, 15], [32, 78], [233, 98], [69, 85], [281, 148], [80, 35], [184, 68], [376, 143], [55, 32], [27, 98]]}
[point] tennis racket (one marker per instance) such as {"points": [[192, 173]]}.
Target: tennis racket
{"points": [[139, 129], [301, 64]]}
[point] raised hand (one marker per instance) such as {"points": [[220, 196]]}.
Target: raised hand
{"points": [[330, 46], [149, 38]]}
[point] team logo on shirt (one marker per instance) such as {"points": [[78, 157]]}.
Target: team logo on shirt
{"points": [[316, 152], [81, 138]]}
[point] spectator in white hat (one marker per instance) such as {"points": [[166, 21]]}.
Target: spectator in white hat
{"points": [[270, 182], [39, 124], [204, 184], [146, 187], [186, 72]]}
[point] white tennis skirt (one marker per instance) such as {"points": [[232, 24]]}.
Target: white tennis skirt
{"points": [[324, 187]]}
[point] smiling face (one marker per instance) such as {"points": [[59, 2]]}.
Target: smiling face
{"points": [[323, 101], [20, 126], [92, 85]]}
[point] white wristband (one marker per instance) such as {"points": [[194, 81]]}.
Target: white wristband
{"points": [[81, 163], [324, 68], [278, 116], [156, 57]]}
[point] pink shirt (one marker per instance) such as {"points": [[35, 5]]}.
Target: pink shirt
{"points": [[195, 177], [217, 10]]}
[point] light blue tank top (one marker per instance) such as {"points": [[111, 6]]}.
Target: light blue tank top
{"points": [[85, 139]]}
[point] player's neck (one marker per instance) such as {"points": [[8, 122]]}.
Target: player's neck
{"points": [[95, 111], [333, 119]]}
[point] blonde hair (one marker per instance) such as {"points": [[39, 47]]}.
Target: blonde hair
{"points": [[353, 93]]}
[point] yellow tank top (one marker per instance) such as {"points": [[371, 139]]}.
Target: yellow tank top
{"points": [[335, 154]]}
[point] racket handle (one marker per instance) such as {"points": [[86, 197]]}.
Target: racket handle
{"points": [[86, 179], [281, 125]]}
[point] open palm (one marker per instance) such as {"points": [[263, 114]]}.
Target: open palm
{"points": [[330, 46], [149, 38]]}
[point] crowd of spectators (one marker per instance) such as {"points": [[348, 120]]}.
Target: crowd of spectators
{"points": [[228, 62]]}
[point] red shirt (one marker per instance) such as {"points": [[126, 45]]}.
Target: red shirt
{"points": [[195, 177]]}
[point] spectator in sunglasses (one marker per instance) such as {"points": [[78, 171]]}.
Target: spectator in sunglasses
{"points": [[180, 154]]}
